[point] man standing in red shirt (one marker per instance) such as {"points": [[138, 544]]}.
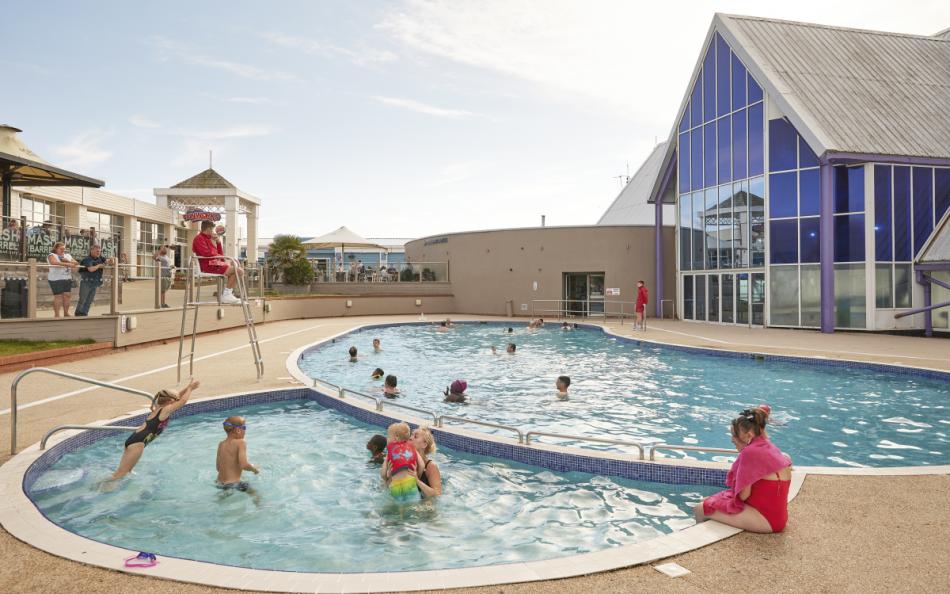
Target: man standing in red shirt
{"points": [[208, 246], [643, 297]]}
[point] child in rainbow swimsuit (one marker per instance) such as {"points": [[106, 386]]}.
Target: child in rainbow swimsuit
{"points": [[399, 469]]}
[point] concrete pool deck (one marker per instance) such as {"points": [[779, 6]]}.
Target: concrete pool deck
{"points": [[894, 527]]}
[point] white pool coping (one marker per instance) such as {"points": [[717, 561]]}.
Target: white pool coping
{"points": [[21, 518]]}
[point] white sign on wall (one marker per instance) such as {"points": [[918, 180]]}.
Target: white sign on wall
{"points": [[613, 291]]}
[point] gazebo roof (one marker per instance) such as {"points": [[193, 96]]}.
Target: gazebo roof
{"points": [[209, 179]]}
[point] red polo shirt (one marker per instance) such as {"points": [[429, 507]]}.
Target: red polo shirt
{"points": [[204, 245]]}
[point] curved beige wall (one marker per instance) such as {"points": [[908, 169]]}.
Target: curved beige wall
{"points": [[487, 268]]}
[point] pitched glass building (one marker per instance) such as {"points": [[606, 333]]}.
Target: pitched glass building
{"points": [[811, 168]]}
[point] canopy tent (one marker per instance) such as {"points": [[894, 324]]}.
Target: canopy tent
{"points": [[19, 166], [342, 238]]}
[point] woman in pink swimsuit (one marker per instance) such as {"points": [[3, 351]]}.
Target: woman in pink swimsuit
{"points": [[757, 497]]}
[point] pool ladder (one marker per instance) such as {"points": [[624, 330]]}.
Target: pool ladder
{"points": [[193, 278]]}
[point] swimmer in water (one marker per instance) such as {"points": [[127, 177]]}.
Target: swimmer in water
{"points": [[232, 459], [562, 384], [389, 387], [510, 349], [376, 345], [353, 355], [377, 449]]}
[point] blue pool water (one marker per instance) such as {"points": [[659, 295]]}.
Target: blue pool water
{"points": [[825, 416], [322, 508]]}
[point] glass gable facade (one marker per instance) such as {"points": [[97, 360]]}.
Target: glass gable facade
{"points": [[721, 192]]}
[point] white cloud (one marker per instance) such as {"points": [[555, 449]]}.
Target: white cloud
{"points": [[84, 150], [196, 143], [243, 131], [171, 48], [361, 55], [143, 122], [425, 108], [455, 173], [249, 100]]}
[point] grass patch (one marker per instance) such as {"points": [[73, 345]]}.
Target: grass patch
{"points": [[17, 347]]}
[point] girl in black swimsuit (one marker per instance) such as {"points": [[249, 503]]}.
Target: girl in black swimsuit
{"points": [[428, 476], [166, 402]]}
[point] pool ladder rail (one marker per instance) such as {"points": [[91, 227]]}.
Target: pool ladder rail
{"points": [[80, 378], [193, 277]]}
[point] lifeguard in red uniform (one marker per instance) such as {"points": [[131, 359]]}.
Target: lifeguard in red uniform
{"points": [[208, 246], [643, 297]]}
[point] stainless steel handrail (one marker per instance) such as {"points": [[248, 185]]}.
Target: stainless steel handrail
{"points": [[384, 403], [378, 401], [339, 390], [65, 427], [441, 421], [689, 448], [639, 446], [88, 380]]}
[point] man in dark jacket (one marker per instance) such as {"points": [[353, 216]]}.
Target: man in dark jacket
{"points": [[90, 271]]}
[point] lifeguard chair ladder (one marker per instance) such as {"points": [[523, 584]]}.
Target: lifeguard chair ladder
{"points": [[193, 302]]}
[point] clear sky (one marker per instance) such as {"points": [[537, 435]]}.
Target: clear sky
{"points": [[400, 118]]}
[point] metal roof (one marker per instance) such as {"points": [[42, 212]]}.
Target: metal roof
{"points": [[209, 179], [937, 248], [631, 206], [851, 90]]}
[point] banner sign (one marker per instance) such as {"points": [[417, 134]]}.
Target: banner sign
{"points": [[201, 215], [39, 244]]}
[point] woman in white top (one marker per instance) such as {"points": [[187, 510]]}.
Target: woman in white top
{"points": [[60, 277]]}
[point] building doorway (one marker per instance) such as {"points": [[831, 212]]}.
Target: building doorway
{"points": [[734, 298], [584, 294]]}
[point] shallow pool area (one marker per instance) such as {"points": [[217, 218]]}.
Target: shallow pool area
{"points": [[823, 415], [320, 507]]}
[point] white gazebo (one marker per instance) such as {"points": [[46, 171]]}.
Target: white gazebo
{"points": [[209, 191]]}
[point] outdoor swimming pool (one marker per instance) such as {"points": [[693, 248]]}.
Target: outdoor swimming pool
{"points": [[825, 416], [322, 508]]}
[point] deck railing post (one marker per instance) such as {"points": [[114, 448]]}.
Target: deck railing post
{"points": [[31, 284], [114, 297]]}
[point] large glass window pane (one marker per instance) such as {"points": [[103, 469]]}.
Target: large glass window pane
{"points": [[709, 154], [783, 194], [809, 240], [683, 163], [941, 192], [902, 213], [740, 218], [711, 222], [923, 205], [713, 310], [696, 158], [758, 298], [811, 295], [686, 215], [884, 286], [941, 317], [700, 303], [808, 192], [756, 156], [783, 241], [849, 189], [738, 83], [739, 149], [728, 294], [684, 121], [806, 156], [709, 84], [783, 295], [688, 297], [783, 145], [723, 90], [724, 149], [850, 306], [725, 226], [903, 285], [849, 238], [699, 231], [755, 91], [696, 102], [757, 221], [882, 213], [742, 298]]}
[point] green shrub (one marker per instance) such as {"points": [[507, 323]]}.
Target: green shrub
{"points": [[298, 272]]}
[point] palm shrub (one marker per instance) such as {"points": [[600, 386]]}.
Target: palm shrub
{"points": [[287, 257]]}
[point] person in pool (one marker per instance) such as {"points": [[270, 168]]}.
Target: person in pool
{"points": [[758, 481], [377, 449], [510, 330], [456, 392], [232, 457], [376, 345], [562, 384], [389, 387], [428, 476], [354, 357], [377, 373], [399, 467], [166, 402], [443, 326], [510, 349]]}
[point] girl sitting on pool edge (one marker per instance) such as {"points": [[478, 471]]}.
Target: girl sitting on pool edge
{"points": [[758, 481]]}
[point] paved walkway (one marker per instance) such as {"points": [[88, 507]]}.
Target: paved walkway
{"points": [[860, 534]]}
